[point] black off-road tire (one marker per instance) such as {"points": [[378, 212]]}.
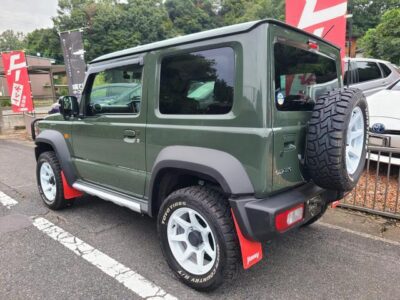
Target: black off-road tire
{"points": [[59, 201], [214, 208], [327, 138]]}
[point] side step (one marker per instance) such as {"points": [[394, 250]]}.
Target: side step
{"points": [[119, 199]]}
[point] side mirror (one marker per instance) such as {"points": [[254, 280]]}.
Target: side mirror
{"points": [[69, 106]]}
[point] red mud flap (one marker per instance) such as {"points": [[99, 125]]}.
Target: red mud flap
{"points": [[335, 204], [69, 192], [251, 251]]}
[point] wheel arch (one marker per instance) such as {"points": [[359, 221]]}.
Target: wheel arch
{"points": [[52, 140], [183, 165]]}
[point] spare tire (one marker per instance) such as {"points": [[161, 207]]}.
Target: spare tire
{"points": [[336, 139]]}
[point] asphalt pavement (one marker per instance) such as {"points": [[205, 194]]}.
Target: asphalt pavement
{"points": [[318, 262]]}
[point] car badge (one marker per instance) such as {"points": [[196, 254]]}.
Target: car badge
{"points": [[378, 128]]}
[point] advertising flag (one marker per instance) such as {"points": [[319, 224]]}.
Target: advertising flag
{"points": [[18, 83], [75, 66], [324, 18]]}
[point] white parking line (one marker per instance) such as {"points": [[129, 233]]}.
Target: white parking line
{"points": [[132, 280], [362, 234], [7, 201]]}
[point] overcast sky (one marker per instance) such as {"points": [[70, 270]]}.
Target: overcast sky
{"points": [[26, 15]]}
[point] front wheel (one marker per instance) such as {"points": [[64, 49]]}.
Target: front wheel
{"points": [[198, 238], [49, 181]]}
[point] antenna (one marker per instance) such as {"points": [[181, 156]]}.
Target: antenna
{"points": [[328, 31]]}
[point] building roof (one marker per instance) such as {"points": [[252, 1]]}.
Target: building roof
{"points": [[41, 69], [204, 35]]}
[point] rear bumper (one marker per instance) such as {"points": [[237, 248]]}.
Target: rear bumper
{"points": [[256, 217]]}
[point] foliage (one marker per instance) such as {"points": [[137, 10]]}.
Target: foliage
{"points": [[191, 16], [237, 11], [46, 42], [384, 40], [110, 25], [10, 40], [367, 13]]}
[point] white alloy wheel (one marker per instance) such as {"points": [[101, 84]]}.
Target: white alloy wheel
{"points": [[355, 140], [191, 241], [48, 182]]}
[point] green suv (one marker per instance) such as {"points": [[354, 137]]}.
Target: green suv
{"points": [[230, 137]]}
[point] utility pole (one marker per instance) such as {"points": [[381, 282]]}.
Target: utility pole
{"points": [[350, 17]]}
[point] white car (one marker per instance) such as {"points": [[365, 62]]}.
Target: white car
{"points": [[370, 75], [384, 120]]}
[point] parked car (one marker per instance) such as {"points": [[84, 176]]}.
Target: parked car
{"points": [[384, 112], [243, 134], [370, 75]]}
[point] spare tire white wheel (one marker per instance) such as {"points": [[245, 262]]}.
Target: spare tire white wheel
{"points": [[336, 139]]}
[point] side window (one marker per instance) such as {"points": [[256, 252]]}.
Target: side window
{"points": [[198, 82], [368, 71], [301, 76], [385, 69], [117, 90]]}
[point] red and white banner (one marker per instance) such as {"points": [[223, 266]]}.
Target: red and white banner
{"points": [[19, 88], [325, 18]]}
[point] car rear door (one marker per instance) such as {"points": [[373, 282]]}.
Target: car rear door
{"points": [[370, 79], [109, 138], [302, 71]]}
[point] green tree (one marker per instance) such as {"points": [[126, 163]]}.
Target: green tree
{"points": [[367, 13], [384, 40], [111, 25], [237, 11], [46, 42], [191, 16], [10, 40]]}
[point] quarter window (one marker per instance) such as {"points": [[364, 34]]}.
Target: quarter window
{"points": [[198, 82], [301, 76], [368, 71], [117, 90], [385, 69]]}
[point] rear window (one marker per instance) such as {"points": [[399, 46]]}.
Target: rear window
{"points": [[301, 76]]}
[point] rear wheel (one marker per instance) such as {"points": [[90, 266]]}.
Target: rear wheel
{"points": [[198, 238], [336, 139], [49, 181]]}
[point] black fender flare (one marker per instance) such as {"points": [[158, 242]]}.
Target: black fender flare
{"points": [[219, 165], [56, 140]]}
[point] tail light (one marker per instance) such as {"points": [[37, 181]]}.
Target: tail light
{"points": [[288, 218]]}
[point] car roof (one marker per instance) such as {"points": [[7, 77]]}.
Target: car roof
{"points": [[204, 35], [366, 59]]}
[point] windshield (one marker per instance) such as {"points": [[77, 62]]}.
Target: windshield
{"points": [[302, 76], [201, 91]]}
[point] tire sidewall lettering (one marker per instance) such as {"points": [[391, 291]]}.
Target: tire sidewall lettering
{"points": [[180, 272]]}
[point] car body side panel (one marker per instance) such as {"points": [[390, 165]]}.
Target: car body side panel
{"points": [[102, 153], [242, 133], [57, 141]]}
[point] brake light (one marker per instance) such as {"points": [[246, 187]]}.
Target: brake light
{"points": [[288, 218], [313, 45]]}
